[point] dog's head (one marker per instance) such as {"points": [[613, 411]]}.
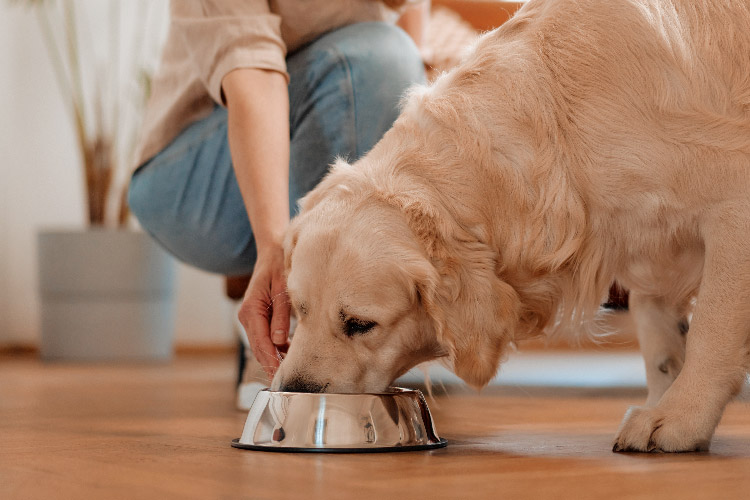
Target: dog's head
{"points": [[382, 280]]}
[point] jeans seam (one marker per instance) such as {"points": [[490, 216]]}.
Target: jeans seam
{"points": [[349, 73]]}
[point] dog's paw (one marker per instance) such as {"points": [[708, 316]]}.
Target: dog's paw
{"points": [[654, 430]]}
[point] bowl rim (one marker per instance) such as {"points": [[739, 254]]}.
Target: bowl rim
{"points": [[391, 391], [441, 443]]}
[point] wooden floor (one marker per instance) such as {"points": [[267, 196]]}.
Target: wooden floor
{"points": [[137, 432]]}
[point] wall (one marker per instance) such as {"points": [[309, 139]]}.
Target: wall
{"points": [[41, 186], [5, 41]]}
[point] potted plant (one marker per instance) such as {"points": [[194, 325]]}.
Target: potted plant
{"points": [[106, 290]]}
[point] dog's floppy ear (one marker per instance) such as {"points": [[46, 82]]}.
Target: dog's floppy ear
{"points": [[478, 312], [474, 312], [423, 219]]}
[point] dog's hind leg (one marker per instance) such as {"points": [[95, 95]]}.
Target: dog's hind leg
{"points": [[716, 355], [661, 328]]}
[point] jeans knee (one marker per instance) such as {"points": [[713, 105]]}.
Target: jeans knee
{"points": [[217, 246], [370, 66], [143, 204], [381, 52], [138, 200]]}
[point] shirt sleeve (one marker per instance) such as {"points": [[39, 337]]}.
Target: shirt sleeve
{"points": [[222, 35]]}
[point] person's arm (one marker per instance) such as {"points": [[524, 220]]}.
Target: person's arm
{"points": [[258, 128], [236, 50], [414, 20]]}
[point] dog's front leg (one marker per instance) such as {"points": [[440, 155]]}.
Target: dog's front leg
{"points": [[716, 356], [661, 328]]}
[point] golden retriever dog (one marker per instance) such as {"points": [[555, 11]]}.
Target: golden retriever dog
{"points": [[584, 141]]}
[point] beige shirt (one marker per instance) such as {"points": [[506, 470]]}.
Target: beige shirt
{"points": [[209, 38]]}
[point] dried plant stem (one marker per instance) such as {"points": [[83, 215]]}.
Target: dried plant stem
{"points": [[115, 12], [71, 36], [124, 212], [75, 98], [114, 20], [100, 111], [102, 164], [91, 152], [55, 56]]}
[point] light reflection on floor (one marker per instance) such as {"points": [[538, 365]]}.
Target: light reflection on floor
{"points": [[555, 369]]}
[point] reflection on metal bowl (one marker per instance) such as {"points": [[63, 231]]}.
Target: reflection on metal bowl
{"points": [[397, 420]]}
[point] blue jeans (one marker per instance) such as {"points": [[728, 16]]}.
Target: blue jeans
{"points": [[344, 93]]}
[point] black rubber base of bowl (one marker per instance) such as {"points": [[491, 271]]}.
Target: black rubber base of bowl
{"points": [[386, 449]]}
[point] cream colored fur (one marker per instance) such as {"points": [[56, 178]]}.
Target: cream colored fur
{"points": [[582, 142]]}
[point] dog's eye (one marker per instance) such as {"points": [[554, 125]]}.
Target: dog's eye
{"points": [[354, 326]]}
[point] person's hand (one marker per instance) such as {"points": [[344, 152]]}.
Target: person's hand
{"points": [[265, 310], [258, 134]]}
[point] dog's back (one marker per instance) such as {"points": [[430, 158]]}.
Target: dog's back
{"points": [[642, 88], [600, 130]]}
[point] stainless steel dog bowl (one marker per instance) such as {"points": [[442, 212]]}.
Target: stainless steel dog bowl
{"points": [[397, 420]]}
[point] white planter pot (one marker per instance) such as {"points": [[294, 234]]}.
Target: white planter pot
{"points": [[105, 295]]}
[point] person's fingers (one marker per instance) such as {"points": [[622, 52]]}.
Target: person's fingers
{"points": [[254, 316], [266, 354], [280, 315], [283, 349], [269, 357]]}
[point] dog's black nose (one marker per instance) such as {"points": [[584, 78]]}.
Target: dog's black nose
{"points": [[298, 384]]}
